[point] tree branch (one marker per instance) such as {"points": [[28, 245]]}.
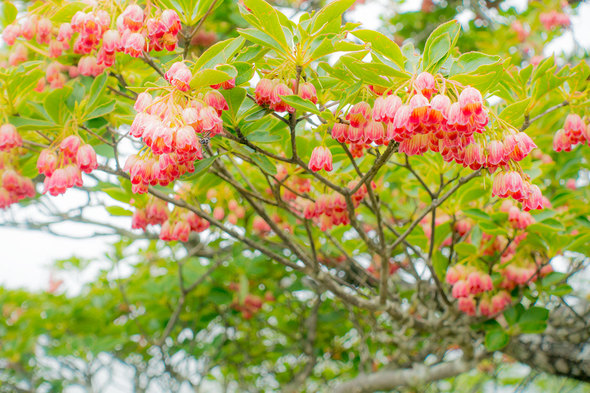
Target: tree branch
{"points": [[415, 376]]}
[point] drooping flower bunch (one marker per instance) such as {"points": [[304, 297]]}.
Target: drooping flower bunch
{"points": [[321, 158], [330, 210], [474, 288], [234, 210], [155, 212], [293, 184], [181, 224], [471, 286], [521, 273], [574, 131], [175, 225], [249, 304], [9, 138], [63, 166], [518, 219], [520, 30], [136, 31], [268, 93], [553, 19], [430, 120], [260, 227], [170, 126], [13, 186]]}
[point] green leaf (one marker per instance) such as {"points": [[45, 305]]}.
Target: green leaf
{"points": [[487, 76], [8, 13], [301, 104], [560, 290], [579, 244], [532, 327], [515, 111], [203, 165], [24, 123], [118, 211], [437, 51], [201, 9], [208, 77], [548, 226], [264, 163], [553, 278], [496, 339], [117, 193], [55, 104], [219, 296], [245, 72], [234, 97], [512, 314], [471, 61], [466, 249], [258, 37], [492, 228], [263, 137], [477, 214], [96, 89], [269, 19], [329, 13], [363, 72], [382, 45], [101, 110], [65, 13], [218, 53], [440, 264], [534, 314], [439, 44]]}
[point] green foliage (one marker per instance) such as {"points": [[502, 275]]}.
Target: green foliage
{"points": [[271, 293]]}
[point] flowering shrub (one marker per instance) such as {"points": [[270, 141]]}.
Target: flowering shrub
{"points": [[430, 188]]}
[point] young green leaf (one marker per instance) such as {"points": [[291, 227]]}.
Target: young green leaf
{"points": [[496, 339], [208, 77], [332, 11], [382, 45], [301, 104], [269, 19]]}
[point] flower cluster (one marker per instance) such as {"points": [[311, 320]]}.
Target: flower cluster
{"points": [[492, 245], [235, 211], [155, 212], [553, 19], [260, 226], [521, 273], [135, 33], [13, 186], [573, 132], [249, 304], [63, 166], [469, 283], [170, 127], [321, 158], [517, 218], [432, 121], [330, 210], [268, 92], [181, 224], [520, 30], [511, 184], [9, 138], [176, 225]]}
